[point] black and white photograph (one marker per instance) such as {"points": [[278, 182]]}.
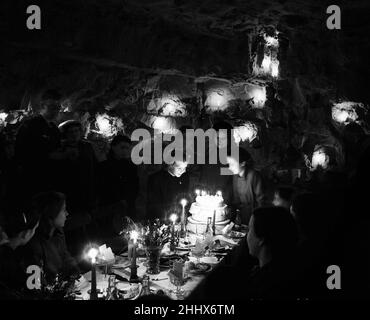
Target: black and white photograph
{"points": [[184, 157]]}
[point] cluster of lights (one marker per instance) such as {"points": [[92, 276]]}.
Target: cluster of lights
{"points": [[246, 132], [344, 112], [207, 200]]}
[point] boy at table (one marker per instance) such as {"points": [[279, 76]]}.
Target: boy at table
{"points": [[247, 186], [165, 190]]}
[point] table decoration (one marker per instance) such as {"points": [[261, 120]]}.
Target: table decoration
{"points": [[93, 253], [155, 235]]}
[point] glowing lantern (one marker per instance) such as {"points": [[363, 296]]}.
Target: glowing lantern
{"points": [[247, 132], [164, 125], [108, 126], [319, 159], [344, 112], [257, 93], [218, 99]]}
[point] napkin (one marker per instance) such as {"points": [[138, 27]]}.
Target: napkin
{"points": [[228, 228], [105, 253], [224, 239]]}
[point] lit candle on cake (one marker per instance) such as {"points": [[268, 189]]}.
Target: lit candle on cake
{"points": [[203, 193], [197, 192], [132, 249], [92, 254]]}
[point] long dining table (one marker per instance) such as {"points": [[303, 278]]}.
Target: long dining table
{"points": [[159, 283]]}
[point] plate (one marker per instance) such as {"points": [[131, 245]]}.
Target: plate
{"points": [[130, 291]]}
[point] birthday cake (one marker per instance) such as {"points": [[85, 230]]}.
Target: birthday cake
{"points": [[207, 206]]}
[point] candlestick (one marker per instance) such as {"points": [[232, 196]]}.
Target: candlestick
{"points": [[132, 248], [93, 291], [183, 218], [173, 218]]}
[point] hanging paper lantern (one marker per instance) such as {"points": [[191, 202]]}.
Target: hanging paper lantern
{"points": [[257, 93], [218, 99], [319, 159], [107, 126], [166, 125], [344, 112], [246, 132]]}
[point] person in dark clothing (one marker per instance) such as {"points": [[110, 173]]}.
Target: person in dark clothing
{"points": [[166, 188], [118, 178], [210, 174], [247, 186], [319, 242], [13, 276], [48, 248], [271, 239], [37, 138], [118, 185], [77, 164]]}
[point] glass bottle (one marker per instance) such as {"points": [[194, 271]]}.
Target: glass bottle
{"points": [[209, 229]]}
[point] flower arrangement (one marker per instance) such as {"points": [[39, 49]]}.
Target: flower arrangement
{"points": [[156, 234]]}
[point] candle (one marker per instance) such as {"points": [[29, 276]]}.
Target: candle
{"points": [[197, 192], [219, 193], [183, 203], [204, 193], [214, 223], [132, 255], [93, 253], [173, 218]]}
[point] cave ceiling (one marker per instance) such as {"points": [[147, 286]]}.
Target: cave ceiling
{"points": [[125, 42]]}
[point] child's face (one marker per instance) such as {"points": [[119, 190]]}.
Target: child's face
{"points": [[277, 202]]}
